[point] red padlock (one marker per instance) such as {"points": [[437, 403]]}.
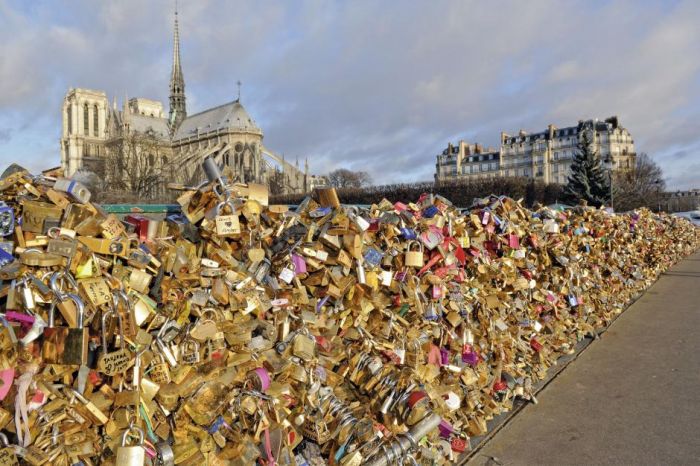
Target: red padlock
{"points": [[458, 444], [415, 397], [323, 343], [535, 345], [500, 386]]}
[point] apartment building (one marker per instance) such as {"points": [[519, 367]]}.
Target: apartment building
{"points": [[545, 155]]}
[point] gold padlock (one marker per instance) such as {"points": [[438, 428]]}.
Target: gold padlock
{"points": [[76, 343], [7, 452], [189, 351], [113, 362], [160, 370], [36, 214], [414, 258], [5, 417], [227, 225], [304, 346], [66, 345]]}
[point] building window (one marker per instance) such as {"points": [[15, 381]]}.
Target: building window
{"points": [[95, 121], [70, 119], [86, 120]]}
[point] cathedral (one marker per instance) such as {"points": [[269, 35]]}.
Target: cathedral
{"points": [[139, 149]]}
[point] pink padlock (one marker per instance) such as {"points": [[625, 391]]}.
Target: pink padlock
{"points": [[24, 319], [6, 378], [299, 264], [513, 241]]}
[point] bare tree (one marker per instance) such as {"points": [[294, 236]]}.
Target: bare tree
{"points": [[137, 166], [276, 182], [344, 178], [642, 186]]}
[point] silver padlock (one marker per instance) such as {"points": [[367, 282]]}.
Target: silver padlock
{"points": [[77, 191], [131, 455], [353, 213], [166, 456], [212, 171]]}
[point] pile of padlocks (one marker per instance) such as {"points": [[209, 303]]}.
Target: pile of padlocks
{"points": [[242, 333]]}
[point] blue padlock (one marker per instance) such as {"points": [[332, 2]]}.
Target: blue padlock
{"points": [[430, 211], [408, 233]]}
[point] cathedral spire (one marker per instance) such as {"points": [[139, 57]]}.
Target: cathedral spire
{"points": [[178, 110]]}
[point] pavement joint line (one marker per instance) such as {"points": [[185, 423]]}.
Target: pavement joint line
{"points": [[503, 419]]}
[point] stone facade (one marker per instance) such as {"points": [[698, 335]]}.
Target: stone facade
{"points": [[94, 134], [545, 156]]}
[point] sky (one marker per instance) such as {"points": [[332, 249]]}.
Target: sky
{"points": [[379, 86]]}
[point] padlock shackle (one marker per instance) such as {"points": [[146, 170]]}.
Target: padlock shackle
{"points": [[79, 307], [126, 433], [4, 442], [58, 288], [208, 311], [420, 246], [226, 202], [104, 328], [221, 191], [120, 295], [52, 314]]}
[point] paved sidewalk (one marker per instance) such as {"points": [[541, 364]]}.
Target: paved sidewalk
{"points": [[633, 397]]}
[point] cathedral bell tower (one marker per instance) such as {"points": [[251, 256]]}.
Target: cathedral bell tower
{"points": [[178, 109]]}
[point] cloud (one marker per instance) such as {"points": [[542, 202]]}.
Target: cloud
{"points": [[367, 84]]}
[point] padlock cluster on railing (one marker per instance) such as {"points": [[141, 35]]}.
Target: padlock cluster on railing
{"points": [[240, 333]]}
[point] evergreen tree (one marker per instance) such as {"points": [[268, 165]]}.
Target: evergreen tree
{"points": [[587, 179]]}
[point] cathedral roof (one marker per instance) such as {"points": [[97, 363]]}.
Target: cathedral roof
{"points": [[143, 123], [232, 116]]}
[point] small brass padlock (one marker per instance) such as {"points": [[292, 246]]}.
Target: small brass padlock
{"points": [[304, 346], [7, 452], [65, 345], [413, 257], [160, 370], [189, 351], [227, 225], [206, 327], [76, 344], [113, 362], [131, 455]]}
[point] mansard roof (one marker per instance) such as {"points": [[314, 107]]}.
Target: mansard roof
{"points": [[232, 116]]}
